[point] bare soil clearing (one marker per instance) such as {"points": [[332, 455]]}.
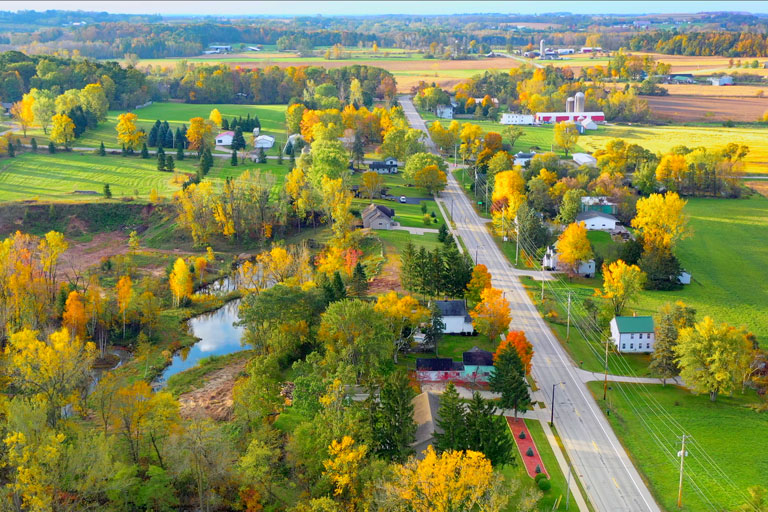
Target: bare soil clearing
{"points": [[681, 108], [214, 398]]}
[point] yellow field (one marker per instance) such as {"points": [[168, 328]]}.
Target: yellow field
{"points": [[746, 91], [664, 138]]}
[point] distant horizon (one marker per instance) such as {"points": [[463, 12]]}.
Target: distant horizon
{"points": [[344, 8]]}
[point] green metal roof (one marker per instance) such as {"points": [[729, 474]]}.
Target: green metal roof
{"points": [[634, 323]]}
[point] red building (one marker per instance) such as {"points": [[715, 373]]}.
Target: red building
{"points": [[576, 117]]}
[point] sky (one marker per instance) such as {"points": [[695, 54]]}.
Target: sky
{"points": [[293, 8]]}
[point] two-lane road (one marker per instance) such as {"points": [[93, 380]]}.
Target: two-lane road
{"points": [[609, 477]]}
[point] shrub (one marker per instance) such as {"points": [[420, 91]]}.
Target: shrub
{"points": [[545, 484], [427, 219], [522, 435], [539, 475], [529, 452]]}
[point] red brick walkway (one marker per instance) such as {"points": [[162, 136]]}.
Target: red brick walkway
{"points": [[516, 426]]}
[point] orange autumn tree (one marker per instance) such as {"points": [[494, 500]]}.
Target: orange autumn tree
{"points": [[523, 347], [481, 279], [491, 315], [74, 317]]}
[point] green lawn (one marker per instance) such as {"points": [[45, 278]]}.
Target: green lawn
{"points": [[272, 118], [725, 433], [55, 177], [399, 239]]}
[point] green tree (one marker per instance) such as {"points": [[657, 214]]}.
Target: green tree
{"points": [[107, 191], [509, 380], [566, 136], [570, 206], [488, 433], [102, 150], [160, 159], [512, 133], [233, 159], [144, 151], [358, 283], [51, 148], [452, 421], [170, 165], [33, 143], [358, 150], [393, 428]]}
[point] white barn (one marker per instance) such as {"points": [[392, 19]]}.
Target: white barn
{"points": [[584, 159], [455, 317], [515, 118], [225, 138], [633, 334], [263, 141], [597, 221]]}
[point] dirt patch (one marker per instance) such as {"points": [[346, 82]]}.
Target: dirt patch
{"points": [[80, 256], [214, 398], [728, 91], [681, 108], [389, 278], [761, 186]]}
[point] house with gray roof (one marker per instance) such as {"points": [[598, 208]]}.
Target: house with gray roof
{"points": [[426, 407], [455, 317], [377, 216], [597, 221]]}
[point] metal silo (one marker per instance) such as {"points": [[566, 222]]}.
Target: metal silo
{"points": [[569, 104], [578, 105]]}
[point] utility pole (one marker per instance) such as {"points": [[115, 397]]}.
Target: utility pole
{"points": [[486, 196], [568, 325], [682, 466], [517, 240], [542, 284], [605, 385]]}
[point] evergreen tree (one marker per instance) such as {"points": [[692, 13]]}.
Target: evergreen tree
{"points": [[179, 153], [168, 140], [170, 165], [451, 421], [279, 157], [233, 124], [292, 160], [51, 148], [339, 290], [161, 131], [358, 150], [224, 124], [443, 234], [205, 165], [233, 160], [238, 141], [183, 137], [144, 151], [672, 318], [457, 272], [289, 148], [262, 156], [358, 284], [393, 428], [152, 137], [488, 433], [107, 191], [509, 380], [33, 143], [160, 159], [433, 332], [408, 266], [102, 149], [11, 150]]}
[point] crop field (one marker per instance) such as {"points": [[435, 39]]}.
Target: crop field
{"points": [[680, 108], [653, 441], [664, 138], [272, 118], [56, 177]]}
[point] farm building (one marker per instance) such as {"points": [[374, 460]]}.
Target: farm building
{"points": [[225, 138], [680, 78], [550, 261], [478, 364], [590, 49], [494, 102], [721, 80], [574, 117], [256, 131], [597, 221], [426, 407], [387, 166], [263, 142], [633, 333], [6, 107], [376, 216], [598, 204], [584, 159], [565, 51], [455, 317], [220, 47], [588, 124], [515, 118], [523, 158], [444, 111]]}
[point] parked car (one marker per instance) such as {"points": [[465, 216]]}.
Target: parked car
{"points": [[403, 199]]}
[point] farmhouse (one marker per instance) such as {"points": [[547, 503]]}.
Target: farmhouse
{"points": [[598, 204], [387, 166], [721, 80], [263, 142], [597, 221], [225, 138], [680, 78], [6, 107], [444, 111], [376, 216], [515, 118], [455, 317], [550, 261], [633, 333], [523, 158], [584, 159]]}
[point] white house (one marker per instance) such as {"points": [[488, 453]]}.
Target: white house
{"points": [[550, 261], [263, 141], [444, 111], [523, 158], [225, 138], [387, 166], [721, 80], [633, 333], [220, 47], [584, 159], [455, 317], [515, 118], [597, 221]]}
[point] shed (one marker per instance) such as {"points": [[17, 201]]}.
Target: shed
{"points": [[584, 159], [376, 216], [597, 221], [721, 80], [263, 142], [588, 124], [455, 317], [633, 333], [256, 131], [225, 138]]}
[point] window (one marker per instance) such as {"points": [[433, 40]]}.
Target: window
{"points": [[623, 346], [632, 336], [631, 346], [647, 345]]}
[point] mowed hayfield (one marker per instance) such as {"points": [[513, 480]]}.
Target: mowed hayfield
{"points": [[56, 177], [663, 138], [726, 454], [271, 117]]}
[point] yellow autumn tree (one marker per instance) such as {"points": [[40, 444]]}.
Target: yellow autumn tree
{"points": [[481, 279], [215, 116], [180, 281], [431, 178], [33, 460], [124, 297], [200, 264], [491, 315], [74, 317], [372, 183], [338, 201], [399, 313], [449, 482], [49, 370], [621, 284], [671, 171], [63, 129], [343, 468], [23, 113], [662, 221], [128, 134], [200, 134], [566, 135], [573, 247]]}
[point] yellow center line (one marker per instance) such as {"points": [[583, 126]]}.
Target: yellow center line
{"points": [[615, 482]]}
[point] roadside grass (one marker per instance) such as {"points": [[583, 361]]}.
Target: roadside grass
{"points": [[399, 239], [194, 378], [55, 177], [271, 117], [725, 432]]}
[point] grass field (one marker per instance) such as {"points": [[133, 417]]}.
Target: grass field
{"points": [[272, 118], [55, 177], [664, 138], [725, 432]]}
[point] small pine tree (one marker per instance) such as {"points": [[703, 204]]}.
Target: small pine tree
{"points": [[358, 284], [205, 166], [179, 152], [107, 191], [152, 137], [170, 165], [33, 143], [442, 233], [11, 150], [160, 159], [123, 151], [102, 149], [292, 159], [509, 380], [144, 151], [233, 160], [280, 157], [451, 422], [339, 290], [262, 156], [51, 148], [224, 124]]}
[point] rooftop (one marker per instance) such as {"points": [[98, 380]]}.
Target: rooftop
{"points": [[630, 324], [478, 357], [591, 214], [452, 307]]}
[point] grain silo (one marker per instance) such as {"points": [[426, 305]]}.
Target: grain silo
{"points": [[569, 104], [578, 105], [541, 48]]}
